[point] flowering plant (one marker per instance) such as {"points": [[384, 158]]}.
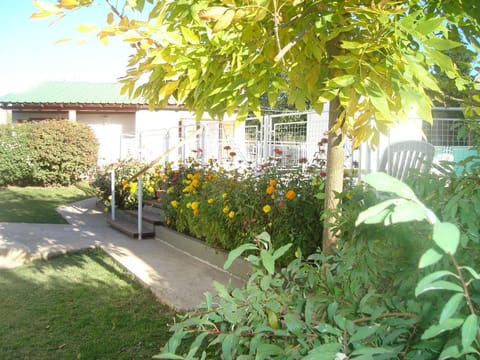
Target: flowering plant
{"points": [[226, 208]]}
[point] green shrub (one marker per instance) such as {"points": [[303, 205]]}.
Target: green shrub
{"points": [[63, 151], [54, 152], [16, 165]]}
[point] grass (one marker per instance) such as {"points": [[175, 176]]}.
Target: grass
{"points": [[37, 205], [80, 306]]}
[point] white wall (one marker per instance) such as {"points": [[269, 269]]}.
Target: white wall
{"points": [[108, 128]]}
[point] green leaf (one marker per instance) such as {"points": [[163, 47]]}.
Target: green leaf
{"points": [[371, 351], [323, 352], [469, 330], [363, 333], [387, 183], [446, 236], [228, 346], [234, 254], [472, 272], [447, 325], [294, 325], [425, 283], [268, 261], [373, 212], [344, 80], [268, 351], [451, 307], [430, 257], [221, 290], [442, 44], [408, 211], [281, 251], [425, 27]]}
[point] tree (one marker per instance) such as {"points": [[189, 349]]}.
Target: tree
{"points": [[370, 60]]}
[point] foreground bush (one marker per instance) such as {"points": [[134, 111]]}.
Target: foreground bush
{"points": [[313, 309], [54, 152]]}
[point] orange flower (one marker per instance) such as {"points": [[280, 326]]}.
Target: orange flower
{"points": [[270, 190], [273, 182], [290, 195]]}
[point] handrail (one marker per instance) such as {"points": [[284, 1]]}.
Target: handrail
{"points": [[138, 174]]}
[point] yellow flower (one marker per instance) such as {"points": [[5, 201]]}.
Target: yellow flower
{"points": [[195, 205], [266, 209], [348, 195], [270, 190], [231, 214], [210, 201], [189, 176], [150, 189], [226, 209], [170, 190], [174, 203], [189, 205], [133, 187], [224, 195], [290, 195]]}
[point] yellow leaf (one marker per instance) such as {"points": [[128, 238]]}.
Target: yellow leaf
{"points": [[224, 21], [104, 40], [167, 90], [85, 28], [190, 36], [131, 37], [110, 18], [40, 15], [69, 4], [63, 40], [47, 7], [212, 13]]}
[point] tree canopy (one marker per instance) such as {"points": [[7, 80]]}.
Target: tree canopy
{"points": [[372, 61], [222, 56]]}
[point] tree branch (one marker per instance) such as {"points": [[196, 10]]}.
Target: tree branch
{"points": [[292, 43]]}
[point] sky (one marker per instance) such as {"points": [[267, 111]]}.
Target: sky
{"points": [[29, 55]]}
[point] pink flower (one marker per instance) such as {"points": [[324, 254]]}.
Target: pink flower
{"points": [[253, 220]]}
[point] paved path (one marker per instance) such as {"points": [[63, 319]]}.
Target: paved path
{"points": [[176, 278]]}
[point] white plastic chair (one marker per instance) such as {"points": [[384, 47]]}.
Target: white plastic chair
{"points": [[398, 158]]}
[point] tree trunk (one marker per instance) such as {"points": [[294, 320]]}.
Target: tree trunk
{"points": [[334, 179]]}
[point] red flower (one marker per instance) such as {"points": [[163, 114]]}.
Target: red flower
{"points": [[280, 204], [277, 152], [323, 174]]}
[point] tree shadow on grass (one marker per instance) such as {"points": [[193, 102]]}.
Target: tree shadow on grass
{"points": [[79, 305]]}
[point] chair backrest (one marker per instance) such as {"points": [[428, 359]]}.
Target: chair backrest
{"points": [[398, 158]]}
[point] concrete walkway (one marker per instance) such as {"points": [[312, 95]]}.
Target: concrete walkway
{"points": [[176, 278]]}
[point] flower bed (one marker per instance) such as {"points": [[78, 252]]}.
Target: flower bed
{"points": [[227, 208]]}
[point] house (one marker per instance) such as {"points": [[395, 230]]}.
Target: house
{"points": [[122, 125]]}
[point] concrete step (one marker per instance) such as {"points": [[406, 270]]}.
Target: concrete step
{"points": [[130, 228], [147, 216]]}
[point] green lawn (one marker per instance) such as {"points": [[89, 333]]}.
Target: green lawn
{"points": [[80, 306], [37, 205]]}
